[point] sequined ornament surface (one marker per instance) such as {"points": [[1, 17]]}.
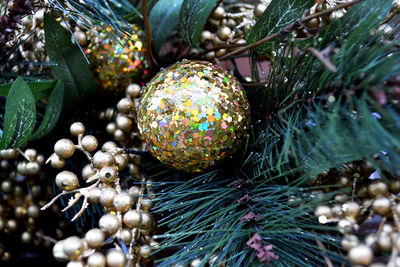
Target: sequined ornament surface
{"points": [[115, 65], [193, 115]]}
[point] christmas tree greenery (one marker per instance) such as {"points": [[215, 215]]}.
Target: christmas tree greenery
{"points": [[325, 116]]}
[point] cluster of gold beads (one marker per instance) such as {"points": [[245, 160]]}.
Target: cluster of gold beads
{"points": [[228, 25], [23, 189], [371, 200], [127, 223], [123, 128]]}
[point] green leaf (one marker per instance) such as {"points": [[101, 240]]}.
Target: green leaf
{"points": [[20, 115], [53, 110], [278, 14], [40, 90], [71, 66], [164, 17], [193, 17]]}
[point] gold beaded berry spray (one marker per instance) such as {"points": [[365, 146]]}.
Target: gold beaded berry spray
{"points": [[193, 115]]}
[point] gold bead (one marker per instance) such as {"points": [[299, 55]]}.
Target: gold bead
{"points": [[345, 226], [124, 105], [119, 135], [108, 146], [12, 225], [123, 202], [31, 154], [58, 252], [89, 143], [6, 256], [20, 212], [40, 159], [111, 127], [33, 211], [377, 188], [6, 186], [81, 37], [367, 168], [107, 197], [94, 238], [381, 206], [219, 13], [109, 224], [313, 23], [134, 191], [115, 258], [145, 251], [124, 123], [385, 242], [147, 204], [57, 162], [102, 159], [206, 36], [32, 168], [97, 259], [77, 128], [73, 247], [133, 90], [108, 175], [122, 161], [323, 213], [259, 10], [132, 218], [224, 33], [351, 209], [344, 181], [75, 264], [67, 180], [9, 153], [394, 187], [220, 52], [94, 195], [349, 241], [361, 255], [88, 171], [134, 169], [147, 221], [64, 148], [126, 236], [26, 237], [5, 164]]}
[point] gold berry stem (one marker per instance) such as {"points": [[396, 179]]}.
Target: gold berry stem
{"points": [[289, 28]]}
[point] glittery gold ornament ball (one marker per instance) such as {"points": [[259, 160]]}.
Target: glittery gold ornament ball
{"points": [[193, 115], [117, 63]]}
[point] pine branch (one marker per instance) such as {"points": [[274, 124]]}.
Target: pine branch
{"points": [[289, 28]]}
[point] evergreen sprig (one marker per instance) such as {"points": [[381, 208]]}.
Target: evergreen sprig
{"points": [[307, 119]]}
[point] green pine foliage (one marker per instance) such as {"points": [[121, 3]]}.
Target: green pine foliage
{"points": [[306, 119]]}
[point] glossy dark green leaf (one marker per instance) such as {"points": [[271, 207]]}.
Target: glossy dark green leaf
{"points": [[278, 14], [53, 111], [193, 17], [20, 115], [71, 67], [40, 90], [164, 17]]}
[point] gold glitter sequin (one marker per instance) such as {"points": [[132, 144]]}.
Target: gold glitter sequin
{"points": [[193, 115], [116, 64]]}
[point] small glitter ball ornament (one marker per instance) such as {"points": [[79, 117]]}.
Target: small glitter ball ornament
{"points": [[116, 65], [193, 115]]}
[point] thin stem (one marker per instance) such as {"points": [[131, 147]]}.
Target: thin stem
{"points": [[153, 61], [289, 28]]}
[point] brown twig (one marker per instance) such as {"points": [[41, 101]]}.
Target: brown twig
{"points": [[322, 247], [153, 61], [289, 28], [45, 237], [323, 57]]}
